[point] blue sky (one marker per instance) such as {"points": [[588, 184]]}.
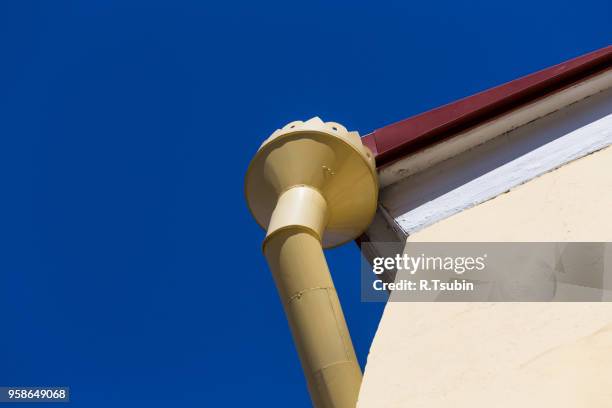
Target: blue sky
{"points": [[130, 269]]}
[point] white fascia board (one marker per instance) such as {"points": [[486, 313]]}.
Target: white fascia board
{"points": [[458, 174]]}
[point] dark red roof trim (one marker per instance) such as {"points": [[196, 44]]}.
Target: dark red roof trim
{"points": [[407, 136]]}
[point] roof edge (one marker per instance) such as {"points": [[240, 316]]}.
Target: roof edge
{"points": [[417, 132]]}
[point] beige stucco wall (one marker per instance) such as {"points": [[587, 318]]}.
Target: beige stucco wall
{"points": [[505, 354]]}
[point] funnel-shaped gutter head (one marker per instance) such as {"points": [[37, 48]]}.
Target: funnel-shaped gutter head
{"points": [[323, 156]]}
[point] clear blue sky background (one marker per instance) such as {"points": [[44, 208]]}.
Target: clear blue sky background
{"points": [[130, 268]]}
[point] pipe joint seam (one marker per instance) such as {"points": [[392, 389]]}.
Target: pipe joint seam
{"points": [[335, 363], [298, 295], [296, 228]]}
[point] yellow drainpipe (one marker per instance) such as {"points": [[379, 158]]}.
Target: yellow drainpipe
{"points": [[313, 185]]}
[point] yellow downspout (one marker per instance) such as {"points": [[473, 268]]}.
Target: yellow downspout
{"points": [[313, 185]]}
